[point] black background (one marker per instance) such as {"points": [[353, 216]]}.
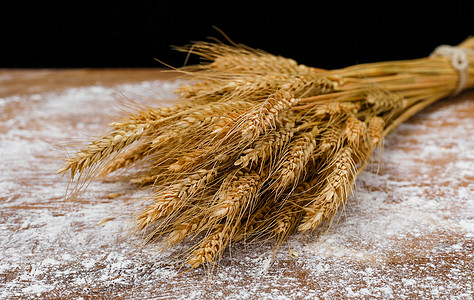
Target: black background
{"points": [[329, 34]]}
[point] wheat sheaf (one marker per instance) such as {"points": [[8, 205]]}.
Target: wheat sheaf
{"points": [[259, 146]]}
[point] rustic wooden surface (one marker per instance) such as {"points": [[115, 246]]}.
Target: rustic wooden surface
{"points": [[407, 233]]}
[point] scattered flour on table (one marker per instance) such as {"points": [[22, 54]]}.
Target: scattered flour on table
{"points": [[388, 242]]}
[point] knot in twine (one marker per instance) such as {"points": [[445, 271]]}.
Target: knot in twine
{"points": [[459, 61]]}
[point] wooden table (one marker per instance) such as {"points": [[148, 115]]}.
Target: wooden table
{"points": [[408, 232]]}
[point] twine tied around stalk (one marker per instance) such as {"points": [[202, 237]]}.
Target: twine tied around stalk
{"points": [[459, 61]]}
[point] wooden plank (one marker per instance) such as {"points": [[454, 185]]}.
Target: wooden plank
{"points": [[408, 231]]}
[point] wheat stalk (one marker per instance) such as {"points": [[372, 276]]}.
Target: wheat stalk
{"points": [[261, 146]]}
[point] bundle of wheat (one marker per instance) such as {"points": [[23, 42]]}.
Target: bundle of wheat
{"points": [[262, 146]]}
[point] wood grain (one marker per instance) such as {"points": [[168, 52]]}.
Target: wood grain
{"points": [[408, 232]]}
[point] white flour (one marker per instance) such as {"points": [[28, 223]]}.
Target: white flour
{"points": [[407, 233]]}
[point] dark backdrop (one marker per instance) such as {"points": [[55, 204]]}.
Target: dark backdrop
{"points": [[327, 34]]}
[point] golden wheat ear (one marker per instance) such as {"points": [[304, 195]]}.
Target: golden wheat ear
{"points": [[102, 148]]}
